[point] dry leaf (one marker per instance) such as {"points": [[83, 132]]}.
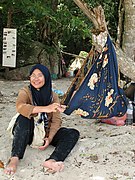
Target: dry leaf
{"points": [[1, 164]]}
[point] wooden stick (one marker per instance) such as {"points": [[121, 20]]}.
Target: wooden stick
{"points": [[76, 77], [73, 55]]}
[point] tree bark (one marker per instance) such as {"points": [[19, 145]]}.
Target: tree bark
{"points": [[128, 42], [9, 17], [120, 22], [96, 15]]}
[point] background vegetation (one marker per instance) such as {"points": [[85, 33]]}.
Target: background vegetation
{"points": [[57, 24]]}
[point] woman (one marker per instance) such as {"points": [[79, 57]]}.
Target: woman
{"points": [[33, 100]]}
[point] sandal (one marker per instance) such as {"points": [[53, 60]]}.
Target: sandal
{"points": [[1, 164]]}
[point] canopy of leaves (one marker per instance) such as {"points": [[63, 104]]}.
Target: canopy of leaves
{"points": [[54, 22]]}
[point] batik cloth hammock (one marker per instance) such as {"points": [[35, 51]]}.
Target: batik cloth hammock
{"points": [[99, 95]]}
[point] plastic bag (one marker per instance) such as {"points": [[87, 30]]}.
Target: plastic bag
{"points": [[118, 121]]}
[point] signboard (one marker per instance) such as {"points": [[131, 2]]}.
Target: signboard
{"points": [[9, 47]]}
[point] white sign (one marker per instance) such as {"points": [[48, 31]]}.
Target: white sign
{"points": [[9, 47]]}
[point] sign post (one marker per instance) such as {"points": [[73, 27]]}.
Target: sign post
{"points": [[9, 47]]}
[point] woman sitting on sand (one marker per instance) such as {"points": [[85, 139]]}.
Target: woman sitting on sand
{"points": [[32, 100]]}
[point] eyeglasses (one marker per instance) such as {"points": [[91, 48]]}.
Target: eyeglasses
{"points": [[33, 76]]}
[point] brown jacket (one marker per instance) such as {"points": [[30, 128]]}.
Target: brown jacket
{"points": [[25, 107]]}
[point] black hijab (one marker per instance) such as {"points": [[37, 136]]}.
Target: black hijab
{"points": [[42, 96]]}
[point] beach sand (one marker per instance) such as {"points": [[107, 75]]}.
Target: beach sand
{"points": [[103, 152]]}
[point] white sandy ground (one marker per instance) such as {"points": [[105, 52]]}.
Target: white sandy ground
{"points": [[103, 152]]}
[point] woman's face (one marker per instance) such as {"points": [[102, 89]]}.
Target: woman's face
{"points": [[37, 79]]}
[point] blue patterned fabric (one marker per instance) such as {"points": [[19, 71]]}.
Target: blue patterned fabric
{"points": [[99, 95]]}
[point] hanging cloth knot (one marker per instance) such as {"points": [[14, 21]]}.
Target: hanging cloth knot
{"points": [[43, 117]]}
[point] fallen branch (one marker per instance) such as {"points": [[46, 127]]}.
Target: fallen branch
{"points": [[74, 55]]}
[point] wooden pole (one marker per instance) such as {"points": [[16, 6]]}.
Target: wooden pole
{"points": [[76, 82], [9, 22]]}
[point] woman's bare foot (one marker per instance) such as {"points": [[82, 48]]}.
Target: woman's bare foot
{"points": [[12, 166], [54, 166]]}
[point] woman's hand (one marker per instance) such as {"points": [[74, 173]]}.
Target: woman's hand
{"points": [[47, 142], [50, 108], [54, 107], [61, 108]]}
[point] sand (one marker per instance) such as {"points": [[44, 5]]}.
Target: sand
{"points": [[103, 152]]}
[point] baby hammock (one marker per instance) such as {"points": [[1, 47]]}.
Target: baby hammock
{"points": [[98, 95]]}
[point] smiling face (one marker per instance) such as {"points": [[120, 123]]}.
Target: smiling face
{"points": [[37, 79]]}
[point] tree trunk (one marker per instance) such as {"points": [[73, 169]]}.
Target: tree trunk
{"points": [[48, 37], [9, 17], [9, 23], [96, 15], [120, 22], [128, 43]]}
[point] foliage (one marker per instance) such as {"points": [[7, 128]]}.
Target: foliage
{"points": [[54, 21], [111, 13]]}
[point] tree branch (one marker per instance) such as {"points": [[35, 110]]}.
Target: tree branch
{"points": [[127, 65]]}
